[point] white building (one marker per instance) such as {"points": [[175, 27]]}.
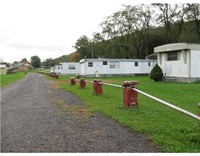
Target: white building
{"points": [[179, 61], [56, 69], [3, 69], [70, 68], [108, 67]]}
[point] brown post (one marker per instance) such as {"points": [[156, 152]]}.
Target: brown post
{"points": [[82, 83], [129, 95], [97, 87], [56, 76], [72, 81]]}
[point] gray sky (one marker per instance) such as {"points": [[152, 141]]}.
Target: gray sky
{"points": [[50, 28]]}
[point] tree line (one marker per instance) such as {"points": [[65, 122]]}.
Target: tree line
{"points": [[134, 31]]}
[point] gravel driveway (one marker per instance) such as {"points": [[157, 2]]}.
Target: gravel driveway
{"points": [[38, 117]]}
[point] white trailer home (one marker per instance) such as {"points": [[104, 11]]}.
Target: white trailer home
{"points": [[179, 61], [70, 68], [108, 67], [56, 69]]}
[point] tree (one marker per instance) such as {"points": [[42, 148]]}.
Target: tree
{"points": [[35, 61], [193, 13], [83, 47], [156, 73], [48, 63], [166, 16], [129, 29]]}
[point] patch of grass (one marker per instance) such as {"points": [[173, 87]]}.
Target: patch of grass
{"points": [[10, 78], [169, 129]]}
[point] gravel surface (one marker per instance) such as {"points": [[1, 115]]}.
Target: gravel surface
{"points": [[38, 117]]}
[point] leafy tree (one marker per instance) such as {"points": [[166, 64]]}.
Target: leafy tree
{"points": [[83, 47], [35, 61], [166, 16], [48, 63], [193, 13]]}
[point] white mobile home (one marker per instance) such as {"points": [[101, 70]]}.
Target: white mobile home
{"points": [[3, 69], [108, 67], [179, 61], [58, 69], [70, 68]]}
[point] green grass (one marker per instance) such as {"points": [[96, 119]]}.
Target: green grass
{"points": [[10, 78], [167, 128]]}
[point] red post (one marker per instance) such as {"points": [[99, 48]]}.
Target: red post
{"points": [[56, 76], [129, 95], [97, 87], [82, 83], [72, 80]]}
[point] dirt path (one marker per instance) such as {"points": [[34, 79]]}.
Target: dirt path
{"points": [[37, 117]]}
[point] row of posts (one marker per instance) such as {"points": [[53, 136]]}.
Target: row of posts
{"points": [[129, 95]]}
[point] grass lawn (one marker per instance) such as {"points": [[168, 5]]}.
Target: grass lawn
{"points": [[10, 78], [169, 129]]}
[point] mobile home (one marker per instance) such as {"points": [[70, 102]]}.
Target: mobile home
{"points": [[70, 68], [179, 61], [3, 69], [108, 67]]}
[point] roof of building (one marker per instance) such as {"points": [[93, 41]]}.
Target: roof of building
{"points": [[115, 60], [3, 66], [176, 46]]}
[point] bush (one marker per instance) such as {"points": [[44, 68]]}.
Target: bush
{"points": [[156, 73]]}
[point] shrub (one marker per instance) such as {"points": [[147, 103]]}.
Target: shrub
{"points": [[156, 73]]}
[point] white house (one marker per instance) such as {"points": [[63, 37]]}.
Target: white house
{"points": [[70, 68], [56, 69], [179, 61], [3, 69], [108, 67]]}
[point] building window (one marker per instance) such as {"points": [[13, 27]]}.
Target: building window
{"points": [[114, 65], [71, 67], [105, 63], [90, 64], [136, 64], [58, 67], [172, 56], [149, 64]]}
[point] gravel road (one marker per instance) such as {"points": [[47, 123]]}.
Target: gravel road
{"points": [[38, 117]]}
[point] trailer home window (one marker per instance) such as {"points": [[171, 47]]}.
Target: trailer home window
{"points": [[71, 67], [105, 63], [90, 64], [149, 64], [136, 64], [172, 56], [114, 65]]}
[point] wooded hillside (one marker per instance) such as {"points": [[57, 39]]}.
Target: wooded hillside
{"points": [[134, 31]]}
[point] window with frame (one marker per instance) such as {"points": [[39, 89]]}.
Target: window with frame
{"points": [[149, 64], [105, 63], [90, 64], [114, 65], [136, 64], [172, 56], [71, 67]]}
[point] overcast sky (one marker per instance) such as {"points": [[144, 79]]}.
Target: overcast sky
{"points": [[50, 28]]}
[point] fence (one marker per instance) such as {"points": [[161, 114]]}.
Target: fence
{"points": [[130, 94]]}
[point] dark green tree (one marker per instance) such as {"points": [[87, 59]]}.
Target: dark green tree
{"points": [[83, 47], [35, 61], [156, 73]]}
